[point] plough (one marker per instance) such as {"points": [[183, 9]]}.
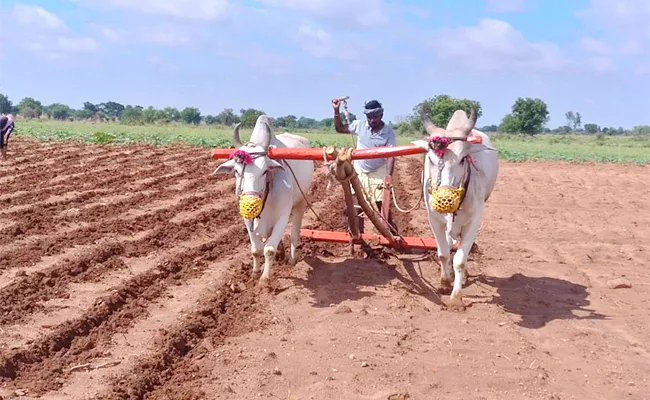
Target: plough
{"points": [[344, 172]]}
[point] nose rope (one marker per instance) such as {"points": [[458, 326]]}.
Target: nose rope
{"points": [[251, 203], [448, 200]]}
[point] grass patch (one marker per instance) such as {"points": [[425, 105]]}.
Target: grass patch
{"points": [[581, 148]]}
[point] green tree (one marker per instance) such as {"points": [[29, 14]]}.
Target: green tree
{"points": [[191, 115], [488, 128], [5, 104], [509, 124], [172, 113], [306, 123], [132, 115], [59, 111], [82, 113], [249, 116], [528, 116], [30, 108], [288, 121], [440, 108], [111, 109], [210, 120], [227, 117], [149, 115], [574, 120], [592, 128], [91, 108]]}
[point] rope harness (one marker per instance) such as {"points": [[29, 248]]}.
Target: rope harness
{"points": [[446, 199], [251, 203], [443, 199]]}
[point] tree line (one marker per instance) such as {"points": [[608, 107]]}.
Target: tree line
{"points": [[528, 116]]}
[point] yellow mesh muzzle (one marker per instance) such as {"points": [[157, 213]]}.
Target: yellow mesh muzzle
{"points": [[446, 200], [250, 206]]}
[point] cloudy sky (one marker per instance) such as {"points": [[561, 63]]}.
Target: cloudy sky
{"points": [[293, 56]]}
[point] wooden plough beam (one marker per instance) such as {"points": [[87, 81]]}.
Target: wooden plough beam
{"points": [[344, 172]]}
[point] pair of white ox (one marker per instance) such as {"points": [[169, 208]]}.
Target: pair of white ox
{"points": [[269, 192]]}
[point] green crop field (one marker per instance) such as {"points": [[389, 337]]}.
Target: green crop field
{"points": [[595, 148]]}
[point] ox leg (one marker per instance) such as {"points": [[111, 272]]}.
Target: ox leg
{"points": [[468, 234], [257, 248], [296, 224], [444, 253], [271, 245]]}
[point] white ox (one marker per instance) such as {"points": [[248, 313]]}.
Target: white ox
{"points": [[457, 164], [273, 187]]}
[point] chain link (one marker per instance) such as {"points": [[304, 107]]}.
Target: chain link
{"points": [[441, 166]]}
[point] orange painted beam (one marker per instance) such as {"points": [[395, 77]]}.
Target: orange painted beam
{"points": [[343, 237], [316, 154]]}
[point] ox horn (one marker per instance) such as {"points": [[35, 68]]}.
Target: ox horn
{"points": [[429, 126], [235, 136], [473, 117], [268, 133]]}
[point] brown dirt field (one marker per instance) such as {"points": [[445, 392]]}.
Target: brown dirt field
{"points": [[117, 261]]}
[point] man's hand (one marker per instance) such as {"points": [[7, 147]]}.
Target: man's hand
{"points": [[336, 103]]}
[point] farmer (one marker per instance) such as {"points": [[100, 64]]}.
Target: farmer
{"points": [[6, 127], [370, 132]]}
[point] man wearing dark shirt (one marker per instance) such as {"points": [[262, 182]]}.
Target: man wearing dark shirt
{"points": [[6, 127]]}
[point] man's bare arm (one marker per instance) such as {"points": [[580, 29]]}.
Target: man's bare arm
{"points": [[338, 124]]}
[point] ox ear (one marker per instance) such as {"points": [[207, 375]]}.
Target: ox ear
{"points": [[226, 168], [273, 165], [421, 143]]}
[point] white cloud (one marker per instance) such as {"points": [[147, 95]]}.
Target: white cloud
{"points": [[320, 43], [495, 45], [110, 34], [36, 16], [621, 27], [170, 37], [162, 65], [355, 14], [74, 45], [45, 34], [257, 58], [595, 46], [621, 14], [202, 10], [602, 64], [167, 35], [506, 6]]}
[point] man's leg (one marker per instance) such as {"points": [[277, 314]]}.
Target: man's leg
{"points": [[3, 147]]}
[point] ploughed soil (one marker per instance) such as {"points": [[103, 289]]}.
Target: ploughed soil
{"points": [[125, 274]]}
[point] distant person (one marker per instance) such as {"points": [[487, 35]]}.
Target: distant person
{"points": [[371, 132], [6, 127]]}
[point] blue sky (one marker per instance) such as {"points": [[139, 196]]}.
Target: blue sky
{"points": [[293, 56]]}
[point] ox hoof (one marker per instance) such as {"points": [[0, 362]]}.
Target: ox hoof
{"points": [[444, 282], [292, 262], [263, 283], [456, 304]]}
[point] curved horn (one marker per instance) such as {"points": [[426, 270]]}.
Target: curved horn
{"points": [[429, 126], [235, 136], [268, 133], [473, 117]]}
